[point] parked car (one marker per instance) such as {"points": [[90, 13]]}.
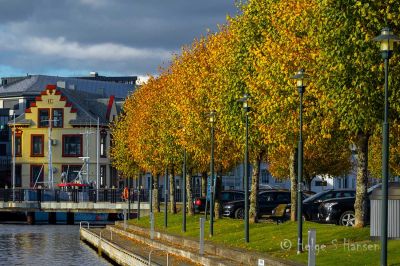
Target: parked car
{"points": [[267, 201], [341, 210], [226, 196], [311, 204], [337, 211]]}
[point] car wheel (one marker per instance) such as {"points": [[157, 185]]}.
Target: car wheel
{"points": [[348, 218], [239, 213]]}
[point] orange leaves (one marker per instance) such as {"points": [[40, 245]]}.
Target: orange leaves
{"points": [[256, 53]]}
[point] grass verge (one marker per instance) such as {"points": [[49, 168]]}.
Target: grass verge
{"points": [[336, 245]]}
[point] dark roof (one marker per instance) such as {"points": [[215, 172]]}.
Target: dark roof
{"points": [[34, 84], [89, 107]]}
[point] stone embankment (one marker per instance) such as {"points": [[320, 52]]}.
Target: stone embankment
{"points": [[131, 245]]}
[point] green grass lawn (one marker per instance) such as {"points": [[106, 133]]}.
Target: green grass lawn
{"points": [[337, 245]]}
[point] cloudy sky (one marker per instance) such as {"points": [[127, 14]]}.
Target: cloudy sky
{"points": [[113, 37]]}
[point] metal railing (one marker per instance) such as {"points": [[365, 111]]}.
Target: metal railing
{"points": [[112, 195]]}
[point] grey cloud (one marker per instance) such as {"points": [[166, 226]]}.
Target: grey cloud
{"points": [[118, 36]]}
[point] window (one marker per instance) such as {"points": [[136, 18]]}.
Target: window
{"points": [[37, 175], [72, 145], [57, 116], [283, 197], [265, 176], [344, 194], [103, 146], [239, 196], [43, 117], [113, 176], [329, 195], [37, 145], [321, 183], [4, 131], [18, 145], [266, 197], [71, 172], [3, 150], [103, 181], [18, 175]]}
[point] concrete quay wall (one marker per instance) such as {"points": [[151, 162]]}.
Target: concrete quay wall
{"points": [[114, 252]]}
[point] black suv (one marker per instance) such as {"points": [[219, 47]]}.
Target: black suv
{"points": [[267, 201]]}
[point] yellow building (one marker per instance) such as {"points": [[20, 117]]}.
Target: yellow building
{"points": [[76, 144]]}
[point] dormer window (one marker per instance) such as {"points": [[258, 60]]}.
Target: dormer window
{"points": [[43, 117]]}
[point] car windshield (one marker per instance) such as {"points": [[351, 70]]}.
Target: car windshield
{"points": [[373, 187], [226, 196], [315, 196]]}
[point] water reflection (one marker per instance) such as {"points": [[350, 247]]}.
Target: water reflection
{"points": [[45, 245]]}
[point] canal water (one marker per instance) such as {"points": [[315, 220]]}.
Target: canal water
{"points": [[45, 245]]}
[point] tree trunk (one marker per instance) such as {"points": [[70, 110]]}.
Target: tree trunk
{"points": [[189, 194], [156, 198], [255, 179], [293, 184], [203, 184], [360, 205], [172, 199], [218, 204]]}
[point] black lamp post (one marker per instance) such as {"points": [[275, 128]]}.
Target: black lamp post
{"points": [[184, 191], [212, 188], [166, 198], [387, 40], [301, 78], [246, 110], [139, 185], [151, 192]]}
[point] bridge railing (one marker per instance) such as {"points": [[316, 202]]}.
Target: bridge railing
{"points": [[112, 195], [60, 195]]}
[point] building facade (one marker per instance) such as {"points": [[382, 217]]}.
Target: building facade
{"points": [[57, 138], [18, 93]]}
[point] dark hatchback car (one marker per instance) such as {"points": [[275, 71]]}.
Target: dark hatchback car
{"points": [[341, 210], [267, 201], [226, 196], [338, 211], [311, 204]]}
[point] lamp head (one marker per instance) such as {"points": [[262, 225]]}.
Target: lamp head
{"points": [[245, 101], [301, 80], [212, 116], [387, 40]]}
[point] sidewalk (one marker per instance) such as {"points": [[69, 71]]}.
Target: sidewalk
{"points": [[215, 254], [135, 252]]}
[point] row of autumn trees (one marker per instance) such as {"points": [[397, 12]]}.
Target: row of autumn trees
{"points": [[257, 52]]}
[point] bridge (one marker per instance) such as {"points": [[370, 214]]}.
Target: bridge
{"points": [[71, 201]]}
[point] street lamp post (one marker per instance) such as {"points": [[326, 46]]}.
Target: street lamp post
{"points": [[212, 188], [14, 155], [165, 198], [301, 78], [387, 40], [246, 110], [184, 191]]}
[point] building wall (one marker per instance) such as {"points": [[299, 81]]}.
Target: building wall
{"points": [[50, 99]]}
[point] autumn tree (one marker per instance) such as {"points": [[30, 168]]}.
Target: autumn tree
{"points": [[351, 74]]}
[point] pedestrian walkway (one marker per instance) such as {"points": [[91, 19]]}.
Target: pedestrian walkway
{"points": [[132, 245], [134, 252]]}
